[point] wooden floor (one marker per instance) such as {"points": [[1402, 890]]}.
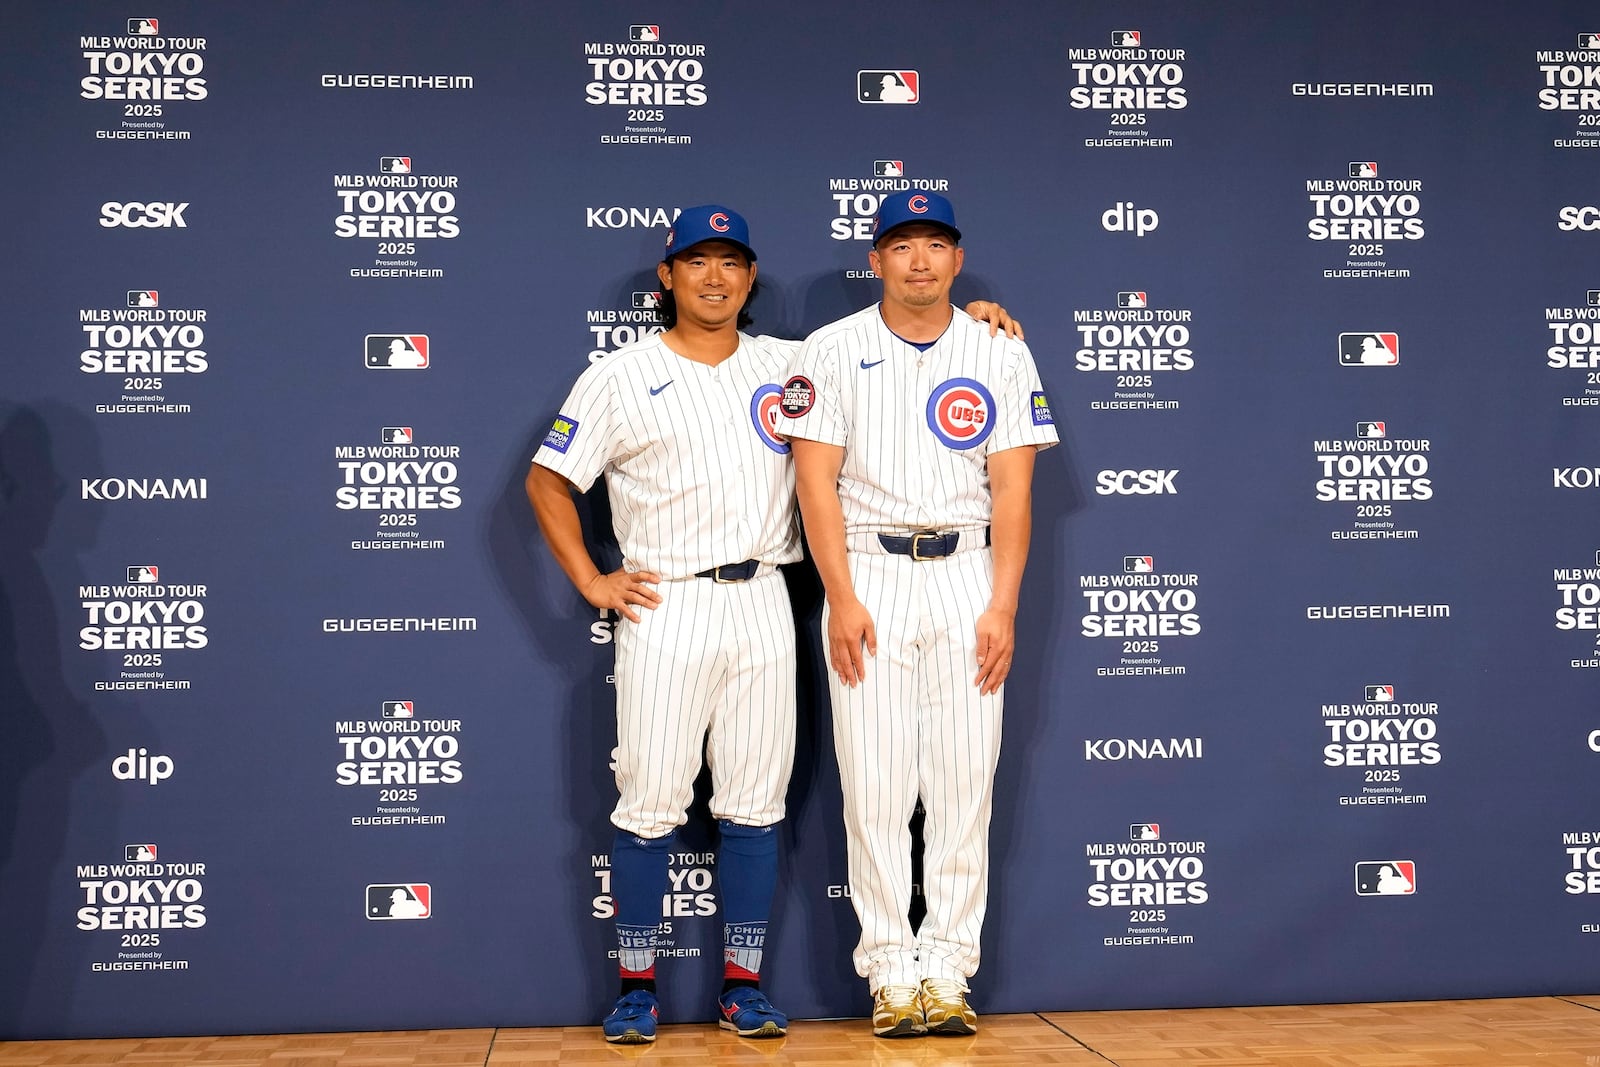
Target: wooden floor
{"points": [[1529, 1032]]}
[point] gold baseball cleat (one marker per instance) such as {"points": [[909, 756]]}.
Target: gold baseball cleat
{"points": [[945, 1009], [897, 1012]]}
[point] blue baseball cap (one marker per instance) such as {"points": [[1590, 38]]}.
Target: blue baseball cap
{"points": [[709, 222], [914, 205]]}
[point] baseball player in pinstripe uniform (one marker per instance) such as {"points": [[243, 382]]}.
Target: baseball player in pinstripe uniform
{"points": [[914, 434], [702, 498], [702, 502]]}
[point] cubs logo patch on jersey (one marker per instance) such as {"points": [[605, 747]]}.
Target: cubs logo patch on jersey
{"points": [[764, 408], [961, 413], [799, 395]]}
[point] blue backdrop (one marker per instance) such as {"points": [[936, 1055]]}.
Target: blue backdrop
{"points": [[1312, 612]]}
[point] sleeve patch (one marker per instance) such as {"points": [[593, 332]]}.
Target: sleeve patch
{"points": [[799, 396], [1041, 410], [561, 433]]}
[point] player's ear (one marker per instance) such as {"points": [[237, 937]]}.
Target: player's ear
{"points": [[874, 261], [752, 273], [664, 272], [961, 255]]}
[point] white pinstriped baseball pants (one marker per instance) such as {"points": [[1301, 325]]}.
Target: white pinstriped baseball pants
{"points": [[711, 670], [918, 726]]}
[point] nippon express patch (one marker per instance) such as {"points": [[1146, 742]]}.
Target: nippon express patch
{"points": [[1041, 410], [560, 435]]}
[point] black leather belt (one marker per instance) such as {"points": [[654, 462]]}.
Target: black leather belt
{"points": [[732, 572], [927, 544]]}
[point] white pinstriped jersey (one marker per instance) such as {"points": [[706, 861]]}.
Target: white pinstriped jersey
{"points": [[919, 426], [695, 477]]}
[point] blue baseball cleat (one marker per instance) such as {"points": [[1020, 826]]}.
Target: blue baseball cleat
{"points": [[748, 1013], [633, 1020]]}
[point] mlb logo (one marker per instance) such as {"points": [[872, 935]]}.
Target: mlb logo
{"points": [[1126, 38], [1138, 564], [406, 900], [145, 27], [1594, 297], [139, 853], [1144, 831], [399, 709], [889, 168], [1380, 694], [1369, 349], [149, 574], [1386, 878], [1589, 40], [1133, 300], [394, 165], [397, 351], [143, 298], [888, 86], [1368, 169], [396, 435], [644, 33], [1371, 429], [646, 301]]}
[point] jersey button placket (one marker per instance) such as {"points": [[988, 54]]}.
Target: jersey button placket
{"points": [[920, 456]]}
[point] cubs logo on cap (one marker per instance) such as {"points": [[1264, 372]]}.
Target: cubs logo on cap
{"points": [[915, 205], [708, 222]]}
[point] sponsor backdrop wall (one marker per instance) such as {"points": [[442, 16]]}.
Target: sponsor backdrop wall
{"points": [[304, 729]]}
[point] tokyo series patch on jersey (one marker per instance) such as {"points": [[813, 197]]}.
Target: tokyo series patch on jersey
{"points": [[799, 395], [961, 413]]}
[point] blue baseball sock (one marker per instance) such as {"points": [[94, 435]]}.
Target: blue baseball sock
{"points": [[638, 882], [748, 860]]}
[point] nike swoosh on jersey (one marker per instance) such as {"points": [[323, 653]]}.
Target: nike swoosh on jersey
{"points": [[657, 390], [868, 366]]}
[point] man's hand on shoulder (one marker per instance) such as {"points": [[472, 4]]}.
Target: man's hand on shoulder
{"points": [[997, 317]]}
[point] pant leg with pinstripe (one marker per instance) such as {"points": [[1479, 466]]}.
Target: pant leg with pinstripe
{"points": [[711, 670], [918, 726]]}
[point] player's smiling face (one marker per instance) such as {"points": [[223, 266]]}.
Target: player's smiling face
{"points": [[917, 264], [709, 283]]}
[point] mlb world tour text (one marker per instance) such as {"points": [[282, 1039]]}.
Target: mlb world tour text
{"points": [[143, 616], [143, 68], [412, 752], [1140, 605], [1147, 873], [388, 205], [1583, 850], [141, 896], [398, 477]]}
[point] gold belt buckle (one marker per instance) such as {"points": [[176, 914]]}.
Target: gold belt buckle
{"points": [[916, 543]]}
